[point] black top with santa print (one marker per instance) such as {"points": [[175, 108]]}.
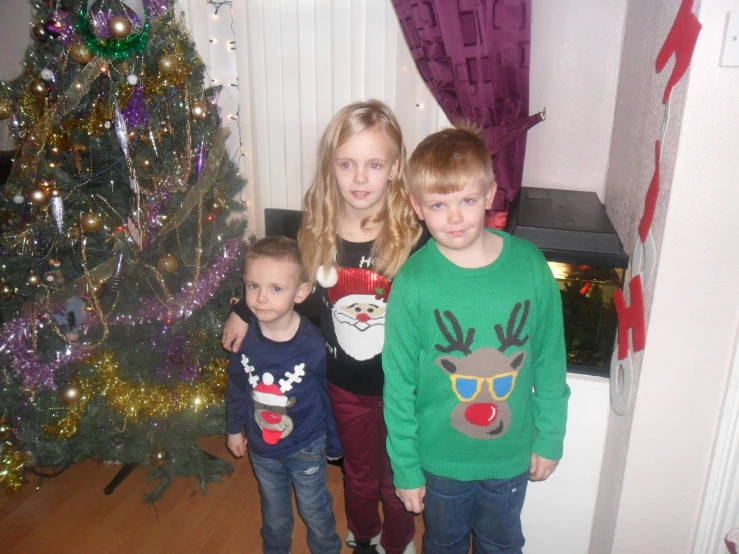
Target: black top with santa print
{"points": [[351, 315]]}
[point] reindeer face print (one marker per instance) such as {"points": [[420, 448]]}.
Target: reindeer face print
{"points": [[484, 378], [270, 402]]}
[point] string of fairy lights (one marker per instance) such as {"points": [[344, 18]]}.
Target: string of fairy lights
{"points": [[227, 5]]}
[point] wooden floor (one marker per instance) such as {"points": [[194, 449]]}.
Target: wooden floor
{"points": [[70, 514]]}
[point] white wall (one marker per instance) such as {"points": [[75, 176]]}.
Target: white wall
{"points": [[558, 512], [695, 314], [15, 32], [575, 57], [638, 124]]}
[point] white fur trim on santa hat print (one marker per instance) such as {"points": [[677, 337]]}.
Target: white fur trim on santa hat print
{"points": [[268, 393], [327, 277]]}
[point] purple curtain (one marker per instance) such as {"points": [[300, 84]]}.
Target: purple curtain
{"points": [[474, 57]]}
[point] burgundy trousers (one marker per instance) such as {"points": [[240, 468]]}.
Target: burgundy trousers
{"points": [[368, 479]]}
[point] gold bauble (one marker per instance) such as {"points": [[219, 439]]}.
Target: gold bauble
{"points": [[199, 110], [70, 394], [38, 88], [159, 457], [165, 128], [167, 64], [168, 263], [38, 196], [80, 53], [215, 205], [33, 279], [91, 222], [38, 32], [5, 429], [119, 27], [6, 109], [6, 292], [55, 192]]}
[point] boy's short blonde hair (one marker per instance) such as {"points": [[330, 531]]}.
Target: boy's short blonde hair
{"points": [[445, 161], [281, 249]]}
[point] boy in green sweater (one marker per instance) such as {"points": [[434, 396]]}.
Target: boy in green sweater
{"points": [[475, 394]]}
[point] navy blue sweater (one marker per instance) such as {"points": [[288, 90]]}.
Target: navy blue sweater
{"points": [[278, 392]]}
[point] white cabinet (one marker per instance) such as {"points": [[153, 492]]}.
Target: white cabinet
{"points": [[558, 513]]}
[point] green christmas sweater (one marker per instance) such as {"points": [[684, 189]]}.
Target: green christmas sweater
{"points": [[474, 364]]}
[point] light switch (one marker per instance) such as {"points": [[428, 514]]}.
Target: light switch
{"points": [[730, 54]]}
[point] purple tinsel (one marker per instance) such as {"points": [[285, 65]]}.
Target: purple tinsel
{"points": [[178, 364], [135, 111], [187, 300], [39, 374], [156, 8], [99, 22]]}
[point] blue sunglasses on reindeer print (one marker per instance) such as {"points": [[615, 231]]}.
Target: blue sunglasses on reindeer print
{"points": [[468, 387]]}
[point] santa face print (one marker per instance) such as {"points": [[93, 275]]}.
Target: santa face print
{"points": [[272, 288], [359, 303], [362, 315], [362, 167]]}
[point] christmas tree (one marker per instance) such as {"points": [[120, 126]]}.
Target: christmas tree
{"points": [[120, 247]]}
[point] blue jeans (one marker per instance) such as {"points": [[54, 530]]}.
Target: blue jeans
{"points": [[487, 511], [306, 470]]}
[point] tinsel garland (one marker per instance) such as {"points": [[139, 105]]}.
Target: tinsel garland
{"points": [[76, 91], [113, 49], [39, 374], [137, 401], [12, 460]]}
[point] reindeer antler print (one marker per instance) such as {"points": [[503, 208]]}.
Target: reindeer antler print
{"points": [[457, 342], [295, 377], [511, 337], [253, 379]]}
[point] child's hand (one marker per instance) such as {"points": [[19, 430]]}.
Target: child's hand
{"points": [[412, 499], [237, 444], [541, 468], [234, 332]]}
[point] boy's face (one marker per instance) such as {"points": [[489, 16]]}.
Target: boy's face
{"points": [[362, 167], [272, 288], [455, 220]]}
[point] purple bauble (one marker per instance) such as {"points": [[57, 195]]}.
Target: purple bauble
{"points": [[59, 27], [53, 28]]}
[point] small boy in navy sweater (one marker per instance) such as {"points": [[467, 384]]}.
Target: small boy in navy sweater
{"points": [[277, 392]]}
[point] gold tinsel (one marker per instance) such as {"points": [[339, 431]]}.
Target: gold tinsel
{"points": [[12, 460], [138, 401], [156, 83], [42, 122]]}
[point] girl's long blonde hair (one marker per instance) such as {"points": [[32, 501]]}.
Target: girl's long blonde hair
{"points": [[399, 227]]}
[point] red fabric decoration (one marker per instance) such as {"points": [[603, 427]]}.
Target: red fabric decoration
{"points": [[650, 201], [681, 41], [354, 280], [631, 318]]}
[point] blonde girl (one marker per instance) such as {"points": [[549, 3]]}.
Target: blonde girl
{"points": [[358, 229]]}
